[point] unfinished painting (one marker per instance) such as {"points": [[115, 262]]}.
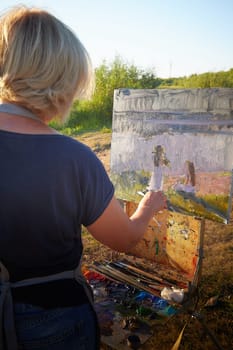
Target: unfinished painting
{"points": [[180, 141]]}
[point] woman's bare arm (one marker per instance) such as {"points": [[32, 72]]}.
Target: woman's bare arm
{"points": [[120, 232]]}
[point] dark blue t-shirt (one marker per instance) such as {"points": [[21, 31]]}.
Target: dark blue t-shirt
{"points": [[50, 185]]}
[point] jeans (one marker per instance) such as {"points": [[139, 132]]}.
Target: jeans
{"points": [[69, 328]]}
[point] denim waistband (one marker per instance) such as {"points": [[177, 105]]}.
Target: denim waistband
{"points": [[8, 339]]}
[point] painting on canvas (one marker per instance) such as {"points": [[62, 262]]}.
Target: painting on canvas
{"points": [[182, 142]]}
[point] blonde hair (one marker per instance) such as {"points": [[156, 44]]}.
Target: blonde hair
{"points": [[43, 65]]}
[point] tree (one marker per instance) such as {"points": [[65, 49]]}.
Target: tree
{"points": [[116, 75]]}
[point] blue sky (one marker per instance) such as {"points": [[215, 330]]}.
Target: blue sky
{"points": [[172, 37]]}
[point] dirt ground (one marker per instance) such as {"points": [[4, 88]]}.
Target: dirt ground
{"points": [[210, 325]]}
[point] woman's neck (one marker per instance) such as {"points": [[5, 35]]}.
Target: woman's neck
{"points": [[18, 119]]}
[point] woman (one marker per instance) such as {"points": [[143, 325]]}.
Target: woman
{"points": [[50, 185]]}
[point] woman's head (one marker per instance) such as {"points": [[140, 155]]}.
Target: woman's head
{"points": [[43, 65]]}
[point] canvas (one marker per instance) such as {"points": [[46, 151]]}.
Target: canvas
{"points": [[182, 141]]}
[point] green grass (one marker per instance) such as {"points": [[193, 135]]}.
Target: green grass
{"points": [[85, 127]]}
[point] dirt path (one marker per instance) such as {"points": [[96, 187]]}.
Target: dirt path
{"points": [[100, 143]]}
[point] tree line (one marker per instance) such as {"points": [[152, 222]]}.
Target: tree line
{"points": [[96, 113]]}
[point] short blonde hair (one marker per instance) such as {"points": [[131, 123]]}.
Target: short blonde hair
{"points": [[43, 65]]}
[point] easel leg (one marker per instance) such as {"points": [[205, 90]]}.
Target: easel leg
{"points": [[200, 318]]}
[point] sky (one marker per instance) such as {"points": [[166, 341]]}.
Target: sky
{"points": [[171, 38]]}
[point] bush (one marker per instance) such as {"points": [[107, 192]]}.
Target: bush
{"points": [[96, 114]]}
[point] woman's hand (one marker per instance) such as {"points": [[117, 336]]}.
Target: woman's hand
{"points": [[118, 231], [156, 201]]}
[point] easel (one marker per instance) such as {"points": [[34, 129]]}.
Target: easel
{"points": [[177, 232], [192, 292], [192, 127]]}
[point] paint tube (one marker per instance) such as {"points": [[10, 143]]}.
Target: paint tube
{"points": [[173, 294]]}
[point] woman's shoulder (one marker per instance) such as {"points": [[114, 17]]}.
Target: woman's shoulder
{"points": [[72, 144], [74, 149]]}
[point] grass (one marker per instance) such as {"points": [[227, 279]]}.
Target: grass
{"points": [[217, 279]]}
